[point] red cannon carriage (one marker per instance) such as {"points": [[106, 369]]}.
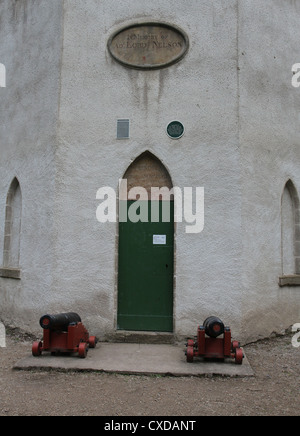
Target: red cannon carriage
{"points": [[64, 333], [209, 345]]}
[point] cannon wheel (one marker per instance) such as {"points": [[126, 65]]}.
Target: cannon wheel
{"points": [[235, 345], [82, 350], [190, 343], [239, 356], [190, 354], [92, 341], [37, 348]]}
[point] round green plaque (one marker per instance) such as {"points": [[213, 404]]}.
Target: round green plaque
{"points": [[175, 130]]}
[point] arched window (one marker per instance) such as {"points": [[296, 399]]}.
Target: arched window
{"points": [[290, 236], [147, 171], [12, 232]]}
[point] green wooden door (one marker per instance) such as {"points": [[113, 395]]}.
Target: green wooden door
{"points": [[146, 258]]}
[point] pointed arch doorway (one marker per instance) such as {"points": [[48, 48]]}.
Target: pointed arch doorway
{"points": [[146, 248]]}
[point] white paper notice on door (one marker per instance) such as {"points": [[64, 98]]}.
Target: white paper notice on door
{"points": [[159, 239]]}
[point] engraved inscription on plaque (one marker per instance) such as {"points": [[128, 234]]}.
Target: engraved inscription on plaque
{"points": [[148, 46]]}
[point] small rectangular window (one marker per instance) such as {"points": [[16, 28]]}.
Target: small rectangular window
{"points": [[123, 129]]}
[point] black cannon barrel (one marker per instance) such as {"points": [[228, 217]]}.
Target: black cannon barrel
{"points": [[60, 321], [214, 327]]}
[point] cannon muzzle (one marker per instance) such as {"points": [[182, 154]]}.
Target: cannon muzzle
{"points": [[214, 327], [60, 321]]}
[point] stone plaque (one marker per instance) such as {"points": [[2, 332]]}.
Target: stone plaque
{"points": [[148, 46]]}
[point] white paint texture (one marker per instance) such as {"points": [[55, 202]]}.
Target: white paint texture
{"points": [[59, 115]]}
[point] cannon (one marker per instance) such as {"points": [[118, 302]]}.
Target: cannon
{"points": [[64, 333], [209, 344], [213, 327]]}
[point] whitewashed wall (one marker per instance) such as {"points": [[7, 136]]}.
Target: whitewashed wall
{"points": [[30, 48], [270, 151], [201, 92], [233, 94]]}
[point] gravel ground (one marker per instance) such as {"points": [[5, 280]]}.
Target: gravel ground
{"points": [[275, 389]]}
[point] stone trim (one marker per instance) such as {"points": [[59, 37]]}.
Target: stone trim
{"points": [[296, 206], [12, 231], [10, 273], [289, 280]]}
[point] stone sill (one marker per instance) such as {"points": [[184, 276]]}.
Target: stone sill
{"points": [[10, 273], [290, 280]]}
